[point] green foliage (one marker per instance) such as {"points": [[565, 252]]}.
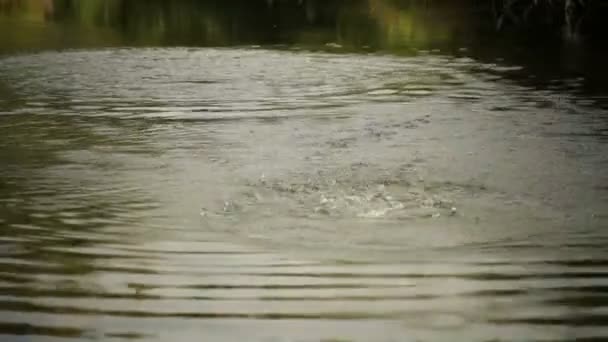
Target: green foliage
{"points": [[382, 24]]}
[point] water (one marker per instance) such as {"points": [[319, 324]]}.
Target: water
{"points": [[298, 193]]}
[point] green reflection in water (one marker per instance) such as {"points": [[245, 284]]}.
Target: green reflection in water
{"points": [[356, 24], [352, 24], [461, 28]]}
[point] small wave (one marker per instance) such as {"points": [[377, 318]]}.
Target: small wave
{"points": [[343, 194]]}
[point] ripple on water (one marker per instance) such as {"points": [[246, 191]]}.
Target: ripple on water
{"points": [[327, 182], [232, 80]]}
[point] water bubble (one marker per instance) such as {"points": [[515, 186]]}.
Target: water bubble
{"points": [[230, 206]]}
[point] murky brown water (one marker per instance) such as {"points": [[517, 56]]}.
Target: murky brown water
{"points": [[283, 194]]}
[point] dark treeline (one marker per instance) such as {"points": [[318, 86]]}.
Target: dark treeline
{"points": [[217, 22], [514, 30], [569, 18]]}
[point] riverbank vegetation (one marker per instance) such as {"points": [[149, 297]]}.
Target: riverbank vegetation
{"points": [[572, 18], [371, 23]]}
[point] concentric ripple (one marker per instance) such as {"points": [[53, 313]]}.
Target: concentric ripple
{"points": [[265, 195]]}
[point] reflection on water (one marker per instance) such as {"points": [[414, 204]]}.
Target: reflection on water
{"points": [[239, 193], [405, 27], [291, 193]]}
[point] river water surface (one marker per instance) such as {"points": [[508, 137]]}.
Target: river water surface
{"points": [[283, 194]]}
